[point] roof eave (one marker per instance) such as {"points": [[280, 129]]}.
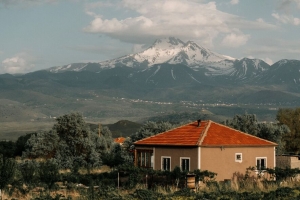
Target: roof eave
{"points": [[176, 145], [240, 145]]}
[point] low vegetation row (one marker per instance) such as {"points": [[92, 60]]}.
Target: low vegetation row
{"points": [[64, 161], [32, 179]]}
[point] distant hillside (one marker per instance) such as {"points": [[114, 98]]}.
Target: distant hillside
{"points": [[122, 128], [162, 83], [184, 117]]}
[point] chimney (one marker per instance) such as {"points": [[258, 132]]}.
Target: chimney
{"points": [[199, 122]]}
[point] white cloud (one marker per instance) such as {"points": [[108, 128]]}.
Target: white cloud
{"points": [[138, 48], [296, 21], [287, 6], [20, 63], [185, 19], [268, 60], [30, 2], [286, 19], [91, 7], [235, 40], [234, 2], [260, 20]]}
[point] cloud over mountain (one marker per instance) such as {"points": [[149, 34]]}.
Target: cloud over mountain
{"points": [[19, 63], [187, 19]]}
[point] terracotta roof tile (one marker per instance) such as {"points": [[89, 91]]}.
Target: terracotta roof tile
{"points": [[207, 134], [119, 140], [184, 135]]}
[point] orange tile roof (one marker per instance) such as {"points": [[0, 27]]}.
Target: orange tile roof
{"points": [[209, 133], [119, 140]]}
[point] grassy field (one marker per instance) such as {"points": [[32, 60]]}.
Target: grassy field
{"points": [[17, 118], [13, 130]]}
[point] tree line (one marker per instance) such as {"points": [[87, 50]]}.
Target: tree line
{"points": [[71, 144]]}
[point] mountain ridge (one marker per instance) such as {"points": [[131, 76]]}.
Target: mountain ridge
{"points": [[225, 80]]}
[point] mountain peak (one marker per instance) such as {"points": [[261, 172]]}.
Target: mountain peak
{"points": [[168, 50], [169, 40], [172, 50]]}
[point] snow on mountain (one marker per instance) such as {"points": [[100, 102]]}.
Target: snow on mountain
{"points": [[160, 52], [248, 68], [70, 67], [174, 51], [168, 50]]}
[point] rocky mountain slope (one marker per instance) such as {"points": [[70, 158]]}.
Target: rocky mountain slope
{"points": [[169, 72], [171, 58]]}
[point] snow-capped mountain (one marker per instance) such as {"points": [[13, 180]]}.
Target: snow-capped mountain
{"points": [[169, 70], [283, 72], [166, 55], [248, 68], [169, 50], [174, 51]]}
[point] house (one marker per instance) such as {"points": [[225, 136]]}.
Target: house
{"points": [[119, 140], [205, 145]]}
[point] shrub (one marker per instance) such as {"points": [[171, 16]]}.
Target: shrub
{"points": [[48, 173]]}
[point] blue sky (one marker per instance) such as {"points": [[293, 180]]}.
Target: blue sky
{"points": [[39, 34]]}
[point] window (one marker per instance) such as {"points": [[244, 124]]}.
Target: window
{"points": [[145, 158], [185, 164], [238, 157], [261, 163], [166, 163]]}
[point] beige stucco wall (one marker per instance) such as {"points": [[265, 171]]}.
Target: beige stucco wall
{"points": [[215, 159], [295, 162], [287, 161], [222, 160], [175, 154]]}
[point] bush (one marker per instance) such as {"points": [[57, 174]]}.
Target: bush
{"points": [[7, 170], [48, 173], [28, 170]]}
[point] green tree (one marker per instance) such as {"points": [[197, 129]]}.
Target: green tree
{"points": [[7, 148], [7, 170], [114, 158], [48, 173], [28, 170], [291, 118], [71, 143], [248, 123], [151, 128], [21, 144], [275, 133], [42, 145]]}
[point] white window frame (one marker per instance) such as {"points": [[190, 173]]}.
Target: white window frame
{"points": [[144, 157], [162, 159], [188, 158], [260, 158], [236, 157]]}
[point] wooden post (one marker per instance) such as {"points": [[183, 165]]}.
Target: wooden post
{"points": [[135, 158], [99, 130], [146, 180], [118, 180]]}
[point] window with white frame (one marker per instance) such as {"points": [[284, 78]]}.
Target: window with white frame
{"points": [[185, 163], [261, 163], [145, 158], [165, 163], [238, 157]]}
